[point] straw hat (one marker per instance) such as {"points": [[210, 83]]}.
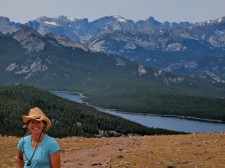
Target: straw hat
{"points": [[38, 115]]}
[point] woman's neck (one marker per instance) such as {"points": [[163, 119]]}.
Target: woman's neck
{"points": [[36, 137]]}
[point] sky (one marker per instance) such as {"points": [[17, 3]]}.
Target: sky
{"points": [[162, 10]]}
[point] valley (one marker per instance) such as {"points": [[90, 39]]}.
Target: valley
{"points": [[107, 80], [154, 90], [176, 123], [52, 61]]}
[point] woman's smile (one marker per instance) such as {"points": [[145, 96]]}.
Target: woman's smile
{"points": [[36, 126]]}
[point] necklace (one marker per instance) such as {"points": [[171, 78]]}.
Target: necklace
{"points": [[29, 160]]}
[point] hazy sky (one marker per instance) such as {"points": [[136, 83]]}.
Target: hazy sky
{"points": [[162, 10]]}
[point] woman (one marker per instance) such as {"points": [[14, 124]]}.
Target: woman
{"points": [[38, 149]]}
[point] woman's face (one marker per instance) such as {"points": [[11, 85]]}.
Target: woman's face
{"points": [[35, 126]]}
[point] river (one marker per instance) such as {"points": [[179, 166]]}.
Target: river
{"points": [[170, 123]]}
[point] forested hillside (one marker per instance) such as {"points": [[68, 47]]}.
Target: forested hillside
{"points": [[68, 118], [162, 103]]}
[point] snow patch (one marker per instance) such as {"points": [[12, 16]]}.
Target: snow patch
{"points": [[220, 20], [70, 18], [51, 23], [119, 18]]}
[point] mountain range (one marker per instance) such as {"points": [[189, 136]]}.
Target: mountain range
{"points": [[56, 62], [192, 49]]}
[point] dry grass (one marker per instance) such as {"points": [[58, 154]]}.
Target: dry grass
{"points": [[180, 151]]}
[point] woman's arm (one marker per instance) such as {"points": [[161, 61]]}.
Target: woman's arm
{"points": [[20, 160], [55, 160]]}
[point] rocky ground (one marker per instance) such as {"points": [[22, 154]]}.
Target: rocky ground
{"points": [[180, 151]]}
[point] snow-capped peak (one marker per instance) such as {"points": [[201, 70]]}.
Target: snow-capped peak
{"points": [[220, 20], [119, 18], [70, 18]]}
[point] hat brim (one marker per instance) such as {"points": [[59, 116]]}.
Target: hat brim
{"points": [[26, 119]]}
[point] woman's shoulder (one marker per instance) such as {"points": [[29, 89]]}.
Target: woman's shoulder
{"points": [[50, 139], [51, 144], [25, 138]]}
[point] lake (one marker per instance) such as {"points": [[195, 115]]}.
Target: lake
{"points": [[155, 121]]}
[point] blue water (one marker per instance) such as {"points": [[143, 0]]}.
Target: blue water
{"points": [[74, 96], [170, 123]]}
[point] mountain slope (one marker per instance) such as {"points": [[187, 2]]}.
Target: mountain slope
{"points": [[169, 51], [106, 80]]}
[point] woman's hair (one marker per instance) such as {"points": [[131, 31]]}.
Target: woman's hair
{"points": [[45, 123]]}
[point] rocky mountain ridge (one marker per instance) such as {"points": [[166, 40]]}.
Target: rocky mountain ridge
{"points": [[34, 60], [211, 31], [33, 44], [193, 49], [6, 26]]}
